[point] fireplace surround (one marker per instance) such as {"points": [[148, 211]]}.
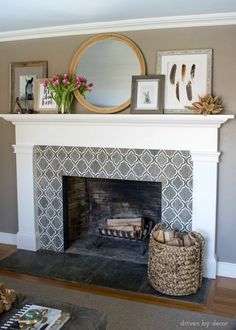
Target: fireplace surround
{"points": [[173, 169], [194, 134]]}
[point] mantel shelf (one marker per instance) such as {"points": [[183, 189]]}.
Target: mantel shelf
{"points": [[116, 119]]}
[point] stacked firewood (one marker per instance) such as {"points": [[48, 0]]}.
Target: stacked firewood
{"points": [[125, 228], [173, 237]]}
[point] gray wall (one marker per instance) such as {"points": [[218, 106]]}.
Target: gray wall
{"points": [[59, 52]]}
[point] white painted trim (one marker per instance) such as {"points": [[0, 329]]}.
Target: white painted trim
{"points": [[226, 269], [190, 120], [23, 149], [209, 268], [28, 240], [205, 156], [152, 23], [7, 238]]}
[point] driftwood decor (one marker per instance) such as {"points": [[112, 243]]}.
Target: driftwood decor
{"points": [[7, 297], [208, 105]]}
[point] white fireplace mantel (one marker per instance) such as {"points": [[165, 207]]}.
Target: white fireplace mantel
{"points": [[120, 119], [137, 131], [195, 133]]}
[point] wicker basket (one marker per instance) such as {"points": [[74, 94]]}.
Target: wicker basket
{"points": [[176, 270]]}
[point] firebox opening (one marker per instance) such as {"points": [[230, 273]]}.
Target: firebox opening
{"points": [[89, 202]]}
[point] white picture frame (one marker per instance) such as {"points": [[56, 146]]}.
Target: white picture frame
{"points": [[188, 75], [147, 94], [44, 102]]}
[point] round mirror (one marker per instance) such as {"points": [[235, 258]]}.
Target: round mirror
{"points": [[108, 61]]}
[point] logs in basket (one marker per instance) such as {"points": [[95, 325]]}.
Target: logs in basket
{"points": [[176, 270]]}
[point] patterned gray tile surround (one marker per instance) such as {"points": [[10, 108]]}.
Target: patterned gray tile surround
{"points": [[172, 168]]}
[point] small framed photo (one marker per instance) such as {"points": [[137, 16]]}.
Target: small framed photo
{"points": [[23, 78], [188, 76], [147, 94], [44, 102]]}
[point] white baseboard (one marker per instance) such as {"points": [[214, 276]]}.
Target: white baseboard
{"points": [[7, 238], [226, 269], [209, 267]]}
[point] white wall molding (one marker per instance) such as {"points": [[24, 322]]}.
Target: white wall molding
{"points": [[8, 238], [122, 26], [226, 269], [205, 156], [23, 149], [210, 266]]}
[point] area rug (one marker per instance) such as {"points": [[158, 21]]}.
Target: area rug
{"points": [[95, 271], [124, 314]]}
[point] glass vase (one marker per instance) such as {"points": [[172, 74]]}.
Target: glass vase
{"points": [[64, 105]]}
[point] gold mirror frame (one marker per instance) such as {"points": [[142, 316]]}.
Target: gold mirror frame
{"points": [[82, 49]]}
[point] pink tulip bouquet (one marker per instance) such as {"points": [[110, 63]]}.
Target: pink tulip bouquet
{"points": [[62, 88]]}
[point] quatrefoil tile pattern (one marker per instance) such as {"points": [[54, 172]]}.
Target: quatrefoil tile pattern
{"points": [[170, 167]]}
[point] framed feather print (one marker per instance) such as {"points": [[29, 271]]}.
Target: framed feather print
{"points": [[188, 75]]}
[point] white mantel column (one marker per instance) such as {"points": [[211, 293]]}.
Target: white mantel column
{"points": [[204, 204], [28, 234]]}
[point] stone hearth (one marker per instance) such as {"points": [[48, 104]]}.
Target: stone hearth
{"points": [[195, 134]]}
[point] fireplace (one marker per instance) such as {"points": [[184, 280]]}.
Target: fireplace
{"points": [[196, 135], [89, 202], [170, 168]]}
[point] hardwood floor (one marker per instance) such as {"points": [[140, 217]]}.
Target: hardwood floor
{"points": [[6, 250], [222, 296], [221, 299]]}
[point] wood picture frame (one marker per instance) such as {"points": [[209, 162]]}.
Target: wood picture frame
{"points": [[188, 76], [147, 95], [23, 76], [44, 102]]}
